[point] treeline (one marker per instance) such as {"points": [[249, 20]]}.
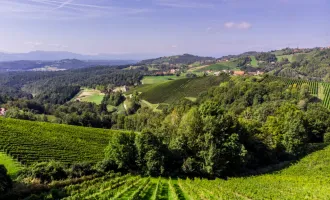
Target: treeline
{"points": [[184, 59], [242, 125], [59, 87]]}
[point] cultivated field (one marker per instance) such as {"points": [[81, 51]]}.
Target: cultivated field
{"points": [[30, 142], [308, 179], [159, 79], [318, 89], [90, 95], [172, 91]]}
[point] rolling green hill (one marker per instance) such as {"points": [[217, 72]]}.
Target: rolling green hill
{"points": [[172, 91], [177, 59], [220, 66], [30, 142]]}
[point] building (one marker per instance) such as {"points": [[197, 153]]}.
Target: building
{"points": [[260, 73], [3, 111], [239, 73], [217, 73]]}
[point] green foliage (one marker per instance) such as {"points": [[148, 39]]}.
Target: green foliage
{"points": [[113, 99], [266, 57], [327, 137], [122, 151], [150, 154]]}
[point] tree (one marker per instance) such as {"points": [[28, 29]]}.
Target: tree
{"points": [[286, 131], [151, 155], [122, 151], [5, 181]]}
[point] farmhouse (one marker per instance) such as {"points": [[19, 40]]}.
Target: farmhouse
{"points": [[3, 111], [239, 73]]}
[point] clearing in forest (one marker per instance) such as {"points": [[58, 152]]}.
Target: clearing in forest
{"points": [[90, 95], [147, 80]]}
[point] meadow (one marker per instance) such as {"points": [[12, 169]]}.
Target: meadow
{"points": [[90, 95], [220, 66], [159, 79], [254, 61]]}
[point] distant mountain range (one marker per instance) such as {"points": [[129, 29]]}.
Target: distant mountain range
{"points": [[60, 55], [58, 65]]}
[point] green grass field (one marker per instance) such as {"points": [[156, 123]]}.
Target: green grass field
{"points": [[254, 61], [172, 91], [11, 164], [147, 80], [289, 57], [90, 95], [220, 66]]}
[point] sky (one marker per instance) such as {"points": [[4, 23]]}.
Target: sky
{"points": [[162, 27]]}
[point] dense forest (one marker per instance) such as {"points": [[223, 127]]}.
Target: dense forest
{"points": [[58, 87]]}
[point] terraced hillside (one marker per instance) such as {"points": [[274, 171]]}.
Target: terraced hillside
{"points": [[30, 142], [172, 91], [308, 179]]}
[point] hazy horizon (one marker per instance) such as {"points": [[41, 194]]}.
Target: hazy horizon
{"points": [[149, 28]]}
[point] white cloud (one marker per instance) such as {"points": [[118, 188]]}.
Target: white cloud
{"points": [[230, 24], [62, 10], [174, 46], [233, 25], [59, 46], [33, 44], [183, 4], [244, 25]]}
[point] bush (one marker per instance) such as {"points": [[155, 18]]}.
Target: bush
{"points": [[46, 172], [327, 138]]}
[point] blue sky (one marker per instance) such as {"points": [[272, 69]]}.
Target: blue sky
{"points": [[162, 27]]}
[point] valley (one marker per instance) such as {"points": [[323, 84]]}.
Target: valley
{"points": [[250, 126]]}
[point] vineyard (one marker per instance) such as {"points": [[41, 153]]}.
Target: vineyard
{"points": [[318, 89], [308, 179], [30, 142]]}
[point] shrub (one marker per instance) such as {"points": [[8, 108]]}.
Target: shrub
{"points": [[327, 137]]}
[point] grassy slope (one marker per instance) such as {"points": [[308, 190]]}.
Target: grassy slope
{"points": [[289, 57], [36, 141], [90, 95], [220, 66], [11, 164], [171, 91], [159, 79], [254, 61]]}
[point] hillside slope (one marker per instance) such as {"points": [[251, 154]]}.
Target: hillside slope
{"points": [[308, 179], [172, 91], [31, 142]]}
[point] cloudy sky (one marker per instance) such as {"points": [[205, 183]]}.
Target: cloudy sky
{"points": [[162, 27]]}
